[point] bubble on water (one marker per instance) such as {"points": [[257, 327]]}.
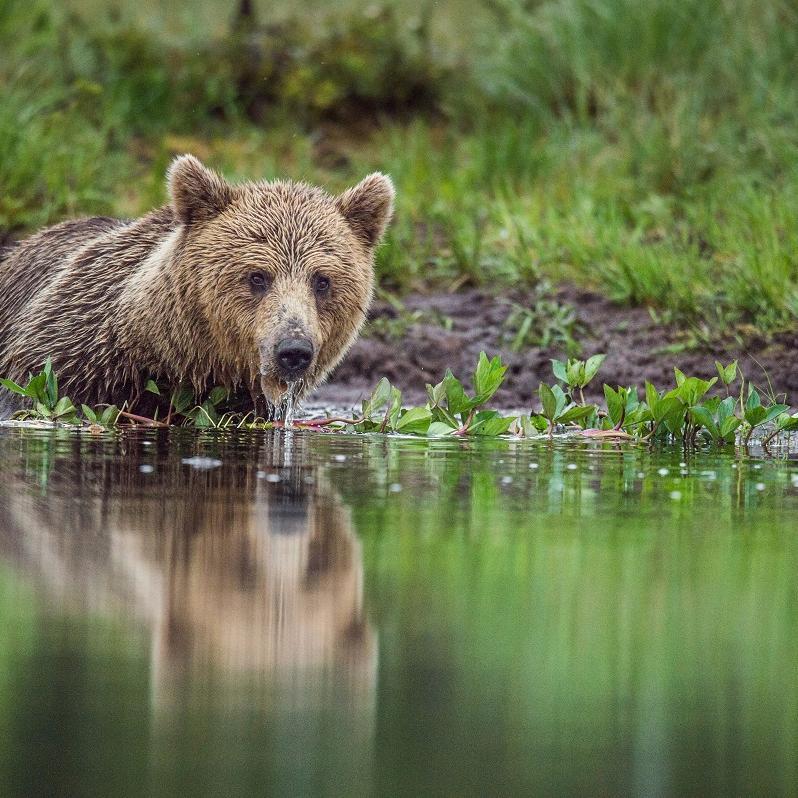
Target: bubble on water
{"points": [[272, 477], [260, 474], [682, 465], [146, 469], [734, 465], [146, 443], [395, 487], [507, 480], [339, 458], [757, 466], [684, 472], [571, 466], [663, 472], [760, 486], [676, 495], [533, 466], [709, 474], [201, 463], [641, 474]]}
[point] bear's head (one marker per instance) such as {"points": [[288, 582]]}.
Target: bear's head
{"points": [[283, 273]]}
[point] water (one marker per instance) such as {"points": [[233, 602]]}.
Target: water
{"points": [[312, 614], [289, 404]]}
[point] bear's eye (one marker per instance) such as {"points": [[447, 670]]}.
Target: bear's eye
{"points": [[258, 282], [321, 284]]}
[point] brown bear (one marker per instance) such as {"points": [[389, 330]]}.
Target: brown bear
{"points": [[254, 285]]}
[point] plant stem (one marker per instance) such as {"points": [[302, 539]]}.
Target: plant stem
{"points": [[151, 422]]}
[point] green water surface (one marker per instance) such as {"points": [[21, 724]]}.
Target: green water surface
{"points": [[316, 614]]}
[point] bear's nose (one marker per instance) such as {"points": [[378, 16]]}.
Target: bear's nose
{"points": [[293, 356]]}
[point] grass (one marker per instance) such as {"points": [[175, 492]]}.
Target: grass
{"points": [[647, 150]]}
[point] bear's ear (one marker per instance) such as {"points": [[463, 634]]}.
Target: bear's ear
{"points": [[197, 193], [368, 207]]}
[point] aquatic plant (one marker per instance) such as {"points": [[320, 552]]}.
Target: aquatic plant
{"points": [[687, 412]]}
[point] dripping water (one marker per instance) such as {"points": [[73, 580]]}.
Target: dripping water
{"points": [[289, 404]]}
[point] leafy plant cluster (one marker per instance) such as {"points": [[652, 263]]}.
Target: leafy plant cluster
{"points": [[689, 411], [46, 404], [686, 412]]}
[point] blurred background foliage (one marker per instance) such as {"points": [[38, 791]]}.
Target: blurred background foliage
{"points": [[643, 148]]}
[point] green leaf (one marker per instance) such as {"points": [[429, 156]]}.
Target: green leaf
{"points": [[558, 367], [396, 407], [727, 374], [89, 414], [43, 410], [183, 400], [456, 400], [152, 387], [575, 413], [773, 412], [753, 400], [616, 404], [37, 388], [787, 423], [703, 417], [680, 378], [729, 426], [51, 383], [548, 400], [415, 421], [379, 399], [725, 409], [437, 429], [488, 378], [539, 422], [592, 365], [674, 418], [217, 395], [492, 427], [110, 416], [575, 372], [10, 385]]}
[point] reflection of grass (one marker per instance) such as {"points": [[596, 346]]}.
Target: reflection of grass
{"points": [[577, 614], [643, 149]]}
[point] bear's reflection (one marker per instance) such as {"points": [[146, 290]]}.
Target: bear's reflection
{"points": [[252, 579]]}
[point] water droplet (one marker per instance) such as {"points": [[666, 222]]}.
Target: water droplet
{"points": [[272, 477], [676, 495], [663, 472], [534, 466], [146, 469], [641, 475], [507, 480], [760, 486], [571, 466], [395, 487], [339, 458]]}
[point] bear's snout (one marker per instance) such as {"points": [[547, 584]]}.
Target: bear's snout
{"points": [[293, 357]]}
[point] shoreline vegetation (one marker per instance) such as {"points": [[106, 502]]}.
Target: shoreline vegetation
{"points": [[690, 412], [531, 143]]}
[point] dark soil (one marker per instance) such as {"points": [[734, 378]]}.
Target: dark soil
{"points": [[632, 341]]}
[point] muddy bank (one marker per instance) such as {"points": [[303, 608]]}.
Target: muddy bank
{"points": [[633, 342]]}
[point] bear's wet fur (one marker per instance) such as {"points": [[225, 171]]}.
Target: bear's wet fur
{"points": [[212, 289]]}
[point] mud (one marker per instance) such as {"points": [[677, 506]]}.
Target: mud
{"points": [[634, 343]]}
